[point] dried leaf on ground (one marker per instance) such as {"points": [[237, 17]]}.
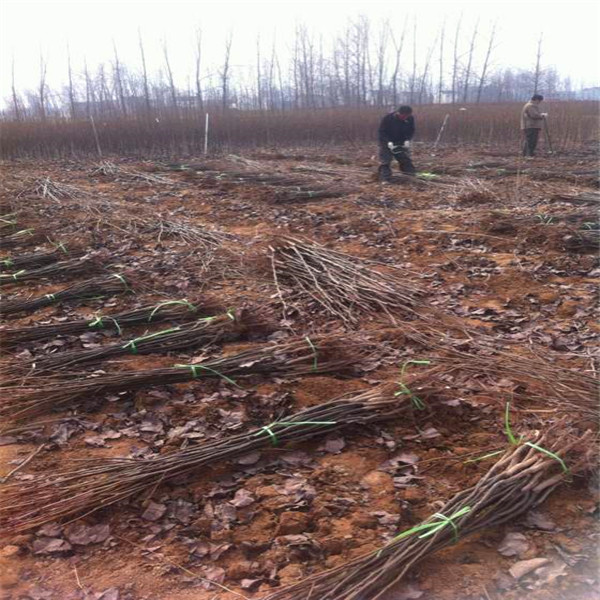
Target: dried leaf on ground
{"points": [[154, 511], [514, 544], [523, 567]]}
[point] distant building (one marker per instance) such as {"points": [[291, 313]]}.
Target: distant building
{"points": [[591, 93]]}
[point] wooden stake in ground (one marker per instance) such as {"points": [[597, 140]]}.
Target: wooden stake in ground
{"points": [[439, 135], [206, 134], [97, 140]]}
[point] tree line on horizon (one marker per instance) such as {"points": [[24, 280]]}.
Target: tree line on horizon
{"points": [[364, 66]]}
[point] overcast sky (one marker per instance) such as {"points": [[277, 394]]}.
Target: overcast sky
{"points": [[571, 31]]}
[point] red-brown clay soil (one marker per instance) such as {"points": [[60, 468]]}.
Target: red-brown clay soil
{"points": [[504, 245]]}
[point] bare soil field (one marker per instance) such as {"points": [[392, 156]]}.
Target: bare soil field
{"points": [[171, 331]]}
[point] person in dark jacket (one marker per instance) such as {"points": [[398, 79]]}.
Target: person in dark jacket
{"points": [[396, 130]]}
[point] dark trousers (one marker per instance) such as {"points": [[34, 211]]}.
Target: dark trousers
{"points": [[402, 156], [530, 142]]}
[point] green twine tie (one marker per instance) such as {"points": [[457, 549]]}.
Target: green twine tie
{"points": [[190, 306], [404, 389], [61, 246], [443, 521], [417, 402], [121, 279], [132, 345], [99, 322], [517, 442], [550, 454], [431, 528], [268, 429], [194, 369]]}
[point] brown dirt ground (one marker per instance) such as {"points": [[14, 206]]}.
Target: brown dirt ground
{"points": [[491, 242]]}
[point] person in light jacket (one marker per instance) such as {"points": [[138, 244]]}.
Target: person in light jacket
{"points": [[532, 120]]}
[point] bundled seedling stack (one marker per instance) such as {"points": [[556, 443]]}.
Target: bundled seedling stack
{"points": [[520, 480], [109, 169], [99, 483], [8, 222], [53, 190], [23, 237], [343, 285], [91, 288], [39, 259], [478, 358], [204, 238], [321, 354], [206, 331], [63, 269], [176, 310]]}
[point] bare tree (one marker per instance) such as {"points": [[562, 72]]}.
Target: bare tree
{"points": [[322, 75], [441, 75], [42, 87], [118, 77], [346, 67], [88, 90], [304, 56], [357, 59], [551, 81], [270, 81], [259, 97], [144, 73], [15, 98], [425, 73], [355, 70], [368, 73], [382, 60], [398, 45], [70, 89], [171, 81], [413, 75], [455, 63], [296, 71], [336, 86], [280, 80], [225, 72], [470, 62], [486, 63], [104, 94], [538, 70], [199, 97]]}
